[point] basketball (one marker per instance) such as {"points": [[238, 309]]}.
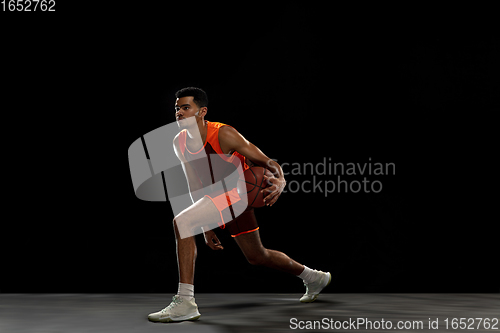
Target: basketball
{"points": [[252, 182]]}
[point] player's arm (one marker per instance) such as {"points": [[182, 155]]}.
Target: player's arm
{"points": [[231, 140], [194, 183]]}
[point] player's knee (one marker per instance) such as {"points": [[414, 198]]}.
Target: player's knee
{"points": [[174, 224], [256, 261], [177, 223], [179, 220]]}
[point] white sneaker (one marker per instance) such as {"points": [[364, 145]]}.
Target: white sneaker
{"points": [[314, 288], [179, 310]]}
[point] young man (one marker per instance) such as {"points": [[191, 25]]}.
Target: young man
{"points": [[223, 144]]}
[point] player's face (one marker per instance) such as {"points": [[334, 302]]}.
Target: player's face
{"points": [[185, 108]]}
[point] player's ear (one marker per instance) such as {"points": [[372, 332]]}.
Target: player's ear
{"points": [[203, 111]]}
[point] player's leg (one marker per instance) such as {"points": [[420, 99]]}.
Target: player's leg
{"points": [[183, 306], [201, 213], [186, 256], [256, 254]]}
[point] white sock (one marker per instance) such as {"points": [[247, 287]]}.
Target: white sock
{"points": [[186, 291], [308, 275]]}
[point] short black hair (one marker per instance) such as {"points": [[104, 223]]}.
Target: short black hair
{"points": [[199, 96]]}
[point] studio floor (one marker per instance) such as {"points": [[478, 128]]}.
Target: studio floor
{"points": [[44, 313]]}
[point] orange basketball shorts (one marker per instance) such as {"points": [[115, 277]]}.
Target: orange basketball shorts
{"points": [[230, 205]]}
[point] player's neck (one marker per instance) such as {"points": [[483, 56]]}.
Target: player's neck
{"points": [[193, 139]]}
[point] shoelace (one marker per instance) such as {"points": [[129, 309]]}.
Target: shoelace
{"points": [[175, 300]]}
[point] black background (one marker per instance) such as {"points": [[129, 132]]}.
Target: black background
{"points": [[417, 87]]}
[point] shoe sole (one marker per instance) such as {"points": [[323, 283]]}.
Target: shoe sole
{"points": [[183, 318], [316, 296]]}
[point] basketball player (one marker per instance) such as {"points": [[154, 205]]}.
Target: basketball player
{"points": [[228, 144]]}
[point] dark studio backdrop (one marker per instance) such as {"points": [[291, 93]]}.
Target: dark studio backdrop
{"points": [[408, 86]]}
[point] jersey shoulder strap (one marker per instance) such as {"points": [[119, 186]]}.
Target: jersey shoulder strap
{"points": [[182, 141]]}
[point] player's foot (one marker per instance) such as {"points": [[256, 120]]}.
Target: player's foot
{"points": [[314, 288], [179, 310]]}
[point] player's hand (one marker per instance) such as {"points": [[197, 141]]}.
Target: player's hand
{"points": [[212, 241], [274, 191]]}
